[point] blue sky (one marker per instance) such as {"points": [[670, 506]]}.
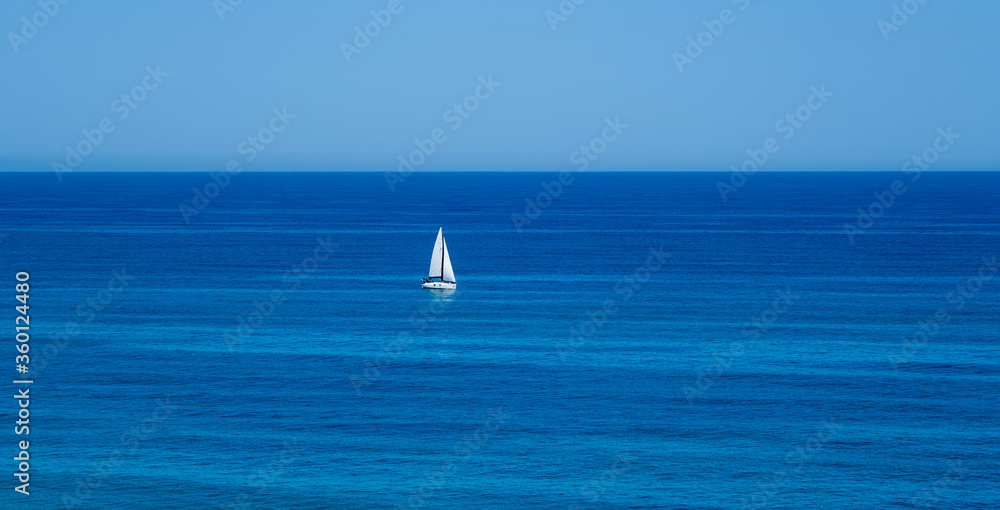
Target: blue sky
{"points": [[606, 60]]}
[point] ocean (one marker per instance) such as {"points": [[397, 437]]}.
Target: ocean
{"points": [[616, 341]]}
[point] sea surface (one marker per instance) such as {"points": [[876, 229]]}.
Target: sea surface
{"points": [[631, 341]]}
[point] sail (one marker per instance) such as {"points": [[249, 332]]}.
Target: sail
{"points": [[436, 258], [447, 274]]}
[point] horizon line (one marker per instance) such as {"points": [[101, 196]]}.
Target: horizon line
{"points": [[727, 171]]}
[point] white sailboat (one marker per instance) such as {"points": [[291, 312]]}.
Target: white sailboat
{"points": [[441, 275]]}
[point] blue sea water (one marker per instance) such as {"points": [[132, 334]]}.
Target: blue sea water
{"points": [[638, 343]]}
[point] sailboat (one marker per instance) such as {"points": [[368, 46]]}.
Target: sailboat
{"points": [[441, 275]]}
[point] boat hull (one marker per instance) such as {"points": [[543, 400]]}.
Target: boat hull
{"points": [[438, 285]]}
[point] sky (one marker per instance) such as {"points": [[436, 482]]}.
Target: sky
{"points": [[200, 77]]}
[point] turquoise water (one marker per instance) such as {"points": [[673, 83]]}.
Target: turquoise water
{"points": [[635, 342]]}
